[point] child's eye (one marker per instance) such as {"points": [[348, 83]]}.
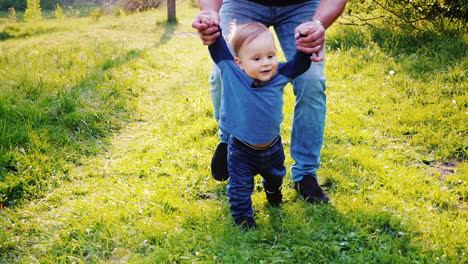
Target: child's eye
{"points": [[257, 59], [271, 56]]}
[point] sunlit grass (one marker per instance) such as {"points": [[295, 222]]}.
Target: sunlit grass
{"points": [[392, 162]]}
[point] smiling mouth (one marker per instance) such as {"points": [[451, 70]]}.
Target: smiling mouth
{"points": [[267, 71]]}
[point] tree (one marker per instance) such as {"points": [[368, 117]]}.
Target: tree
{"points": [[33, 11], [58, 12]]}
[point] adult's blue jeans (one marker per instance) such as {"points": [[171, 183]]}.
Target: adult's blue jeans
{"points": [[246, 162], [309, 88]]}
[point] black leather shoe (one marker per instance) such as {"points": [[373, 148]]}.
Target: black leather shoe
{"points": [[219, 164], [309, 188]]}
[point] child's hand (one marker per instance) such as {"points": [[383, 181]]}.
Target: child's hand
{"points": [[305, 30], [314, 40], [207, 24], [207, 19]]}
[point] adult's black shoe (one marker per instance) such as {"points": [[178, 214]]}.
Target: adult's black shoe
{"points": [[309, 188], [219, 164]]}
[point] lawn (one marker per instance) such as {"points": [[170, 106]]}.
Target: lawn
{"points": [[107, 131]]}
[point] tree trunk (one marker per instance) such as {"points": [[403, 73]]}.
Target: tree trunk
{"points": [[171, 11]]}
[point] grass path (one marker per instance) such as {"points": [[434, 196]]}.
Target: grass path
{"points": [[148, 197], [119, 190]]}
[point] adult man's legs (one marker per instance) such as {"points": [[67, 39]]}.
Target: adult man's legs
{"points": [[309, 109]]}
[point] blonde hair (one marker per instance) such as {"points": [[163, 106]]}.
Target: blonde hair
{"points": [[243, 34]]}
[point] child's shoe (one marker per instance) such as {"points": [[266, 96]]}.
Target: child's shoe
{"points": [[246, 223], [274, 198]]}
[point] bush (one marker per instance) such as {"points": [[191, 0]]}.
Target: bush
{"points": [[58, 12], [96, 14], [415, 14], [21, 4], [119, 12], [33, 11], [12, 15], [139, 5], [21, 30]]}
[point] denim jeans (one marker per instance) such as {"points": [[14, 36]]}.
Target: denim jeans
{"points": [[309, 88], [244, 163]]}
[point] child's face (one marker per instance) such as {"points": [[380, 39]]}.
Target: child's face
{"points": [[258, 57]]}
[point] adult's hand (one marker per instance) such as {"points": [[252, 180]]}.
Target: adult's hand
{"points": [[207, 24], [313, 42]]}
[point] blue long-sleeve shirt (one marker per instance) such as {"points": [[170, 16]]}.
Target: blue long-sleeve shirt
{"points": [[252, 110]]}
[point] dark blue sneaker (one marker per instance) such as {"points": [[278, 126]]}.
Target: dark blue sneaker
{"points": [[219, 164], [246, 223], [275, 197]]}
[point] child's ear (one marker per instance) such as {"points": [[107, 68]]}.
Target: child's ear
{"points": [[238, 61]]}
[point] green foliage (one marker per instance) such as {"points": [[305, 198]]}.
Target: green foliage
{"points": [[421, 15], [59, 12], [194, 3], [16, 4], [139, 5], [51, 4], [22, 4], [21, 30], [424, 78], [33, 11], [119, 12], [53, 109], [96, 14], [80, 11], [12, 15]]}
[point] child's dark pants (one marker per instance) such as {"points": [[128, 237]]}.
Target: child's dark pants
{"points": [[244, 163]]}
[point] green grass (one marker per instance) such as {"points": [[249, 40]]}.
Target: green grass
{"points": [[110, 139]]}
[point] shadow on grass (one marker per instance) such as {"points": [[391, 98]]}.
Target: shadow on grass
{"points": [[41, 134], [299, 232], [330, 236], [318, 233], [169, 28], [16, 31]]}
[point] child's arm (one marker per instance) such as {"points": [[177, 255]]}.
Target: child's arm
{"points": [[219, 50], [298, 65]]}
